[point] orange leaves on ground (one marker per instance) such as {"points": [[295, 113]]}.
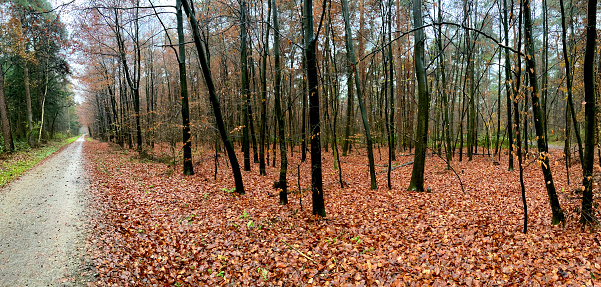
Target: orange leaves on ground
{"points": [[157, 227]]}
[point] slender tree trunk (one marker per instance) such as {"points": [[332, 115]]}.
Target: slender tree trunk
{"points": [[538, 117], [569, 81], [566, 149], [6, 131], [183, 87], [245, 89], [305, 98], [312, 85], [391, 133], [545, 75], [278, 109], [507, 85], [444, 92], [588, 213], [352, 61], [214, 100], [43, 106], [264, 94], [346, 146], [520, 166], [417, 174], [30, 138]]}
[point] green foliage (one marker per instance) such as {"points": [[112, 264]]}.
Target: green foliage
{"points": [[263, 273], [225, 189], [32, 37]]}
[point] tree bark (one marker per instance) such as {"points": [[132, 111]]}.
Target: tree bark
{"points": [[558, 215], [445, 99], [262, 127], [417, 174], [278, 110], [183, 87], [6, 131], [569, 81], [507, 85], [352, 60], [588, 213], [312, 85], [245, 89], [214, 100], [30, 138]]}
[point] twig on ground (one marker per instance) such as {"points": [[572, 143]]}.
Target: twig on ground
{"points": [[299, 252], [395, 167]]}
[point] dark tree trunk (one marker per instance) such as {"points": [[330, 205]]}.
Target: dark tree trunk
{"points": [[312, 85], [569, 80], [538, 117], [588, 213], [263, 126], [278, 110], [30, 138], [214, 100], [417, 174], [444, 92], [352, 60], [507, 84], [346, 146], [245, 89], [183, 87], [6, 131]]}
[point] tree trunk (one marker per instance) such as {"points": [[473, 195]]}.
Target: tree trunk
{"points": [[346, 146], [507, 85], [183, 87], [305, 99], [30, 138], [417, 174], [245, 89], [538, 117], [278, 110], [569, 80], [445, 99], [545, 75], [588, 213], [352, 61], [214, 100], [6, 131], [312, 85], [391, 133], [262, 128]]}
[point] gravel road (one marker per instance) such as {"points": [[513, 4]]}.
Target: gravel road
{"points": [[42, 223]]}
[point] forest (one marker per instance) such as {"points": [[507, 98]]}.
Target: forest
{"points": [[325, 142]]}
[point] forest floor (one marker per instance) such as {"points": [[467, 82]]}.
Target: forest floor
{"points": [[42, 223], [158, 227]]}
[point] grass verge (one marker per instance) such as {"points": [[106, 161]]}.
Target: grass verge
{"points": [[14, 164]]}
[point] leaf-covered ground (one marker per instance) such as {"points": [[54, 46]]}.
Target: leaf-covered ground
{"points": [[157, 227]]}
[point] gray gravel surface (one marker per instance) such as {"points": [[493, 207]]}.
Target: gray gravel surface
{"points": [[42, 223]]}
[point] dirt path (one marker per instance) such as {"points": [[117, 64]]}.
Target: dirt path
{"points": [[42, 223]]}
